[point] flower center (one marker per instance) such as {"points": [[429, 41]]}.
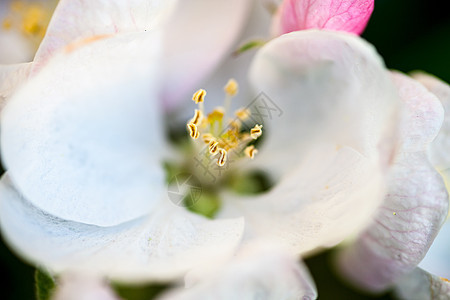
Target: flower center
{"points": [[30, 19], [224, 137]]}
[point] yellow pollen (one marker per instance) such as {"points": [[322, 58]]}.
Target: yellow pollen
{"points": [[207, 137], [256, 131], [199, 96], [251, 151], [232, 87], [213, 147], [7, 24], [216, 115], [193, 131], [243, 113], [198, 116], [223, 157], [221, 134], [444, 279]]}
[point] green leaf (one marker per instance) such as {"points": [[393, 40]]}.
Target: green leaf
{"points": [[249, 45], [44, 285]]}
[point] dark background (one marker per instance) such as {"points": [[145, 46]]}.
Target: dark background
{"points": [[409, 35]]}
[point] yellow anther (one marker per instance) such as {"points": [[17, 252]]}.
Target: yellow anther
{"points": [[193, 131], [232, 87], [444, 279], [216, 115], [256, 131], [33, 19], [207, 137], [223, 157], [243, 113], [17, 6], [250, 151], [198, 117], [199, 96], [213, 147], [7, 24]]}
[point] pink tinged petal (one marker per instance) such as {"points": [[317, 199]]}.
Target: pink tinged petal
{"points": [[198, 35], [415, 206], [81, 19], [326, 147], [82, 287], [258, 271], [437, 261], [340, 15], [421, 285], [83, 140], [439, 150], [11, 78], [161, 246]]}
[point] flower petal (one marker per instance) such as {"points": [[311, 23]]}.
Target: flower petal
{"points": [[83, 139], [334, 93], [340, 15], [415, 206], [198, 35], [421, 285], [326, 199], [82, 19], [162, 246], [438, 151], [331, 88], [257, 272], [11, 77]]}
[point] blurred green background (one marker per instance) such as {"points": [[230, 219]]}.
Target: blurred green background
{"points": [[410, 35]]}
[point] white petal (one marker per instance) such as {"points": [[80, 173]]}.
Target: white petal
{"points": [[82, 287], [329, 86], [318, 205], [19, 50], [420, 285], [83, 139], [81, 19], [437, 261], [415, 206], [338, 108], [257, 272], [11, 77], [198, 35], [161, 246], [438, 152]]}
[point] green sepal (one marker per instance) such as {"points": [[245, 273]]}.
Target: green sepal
{"points": [[44, 284]]}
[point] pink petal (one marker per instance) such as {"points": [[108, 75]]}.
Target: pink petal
{"points": [[416, 204], [341, 15]]}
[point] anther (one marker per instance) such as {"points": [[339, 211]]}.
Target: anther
{"points": [[213, 147], [256, 131], [250, 151], [198, 116], [199, 96], [193, 131], [216, 115], [207, 137], [243, 113], [223, 157], [232, 87]]}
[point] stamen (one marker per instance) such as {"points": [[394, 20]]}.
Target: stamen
{"points": [[243, 113], [231, 88], [223, 157], [251, 151], [216, 115], [213, 147], [256, 131], [207, 137], [193, 131], [198, 117], [199, 96]]}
